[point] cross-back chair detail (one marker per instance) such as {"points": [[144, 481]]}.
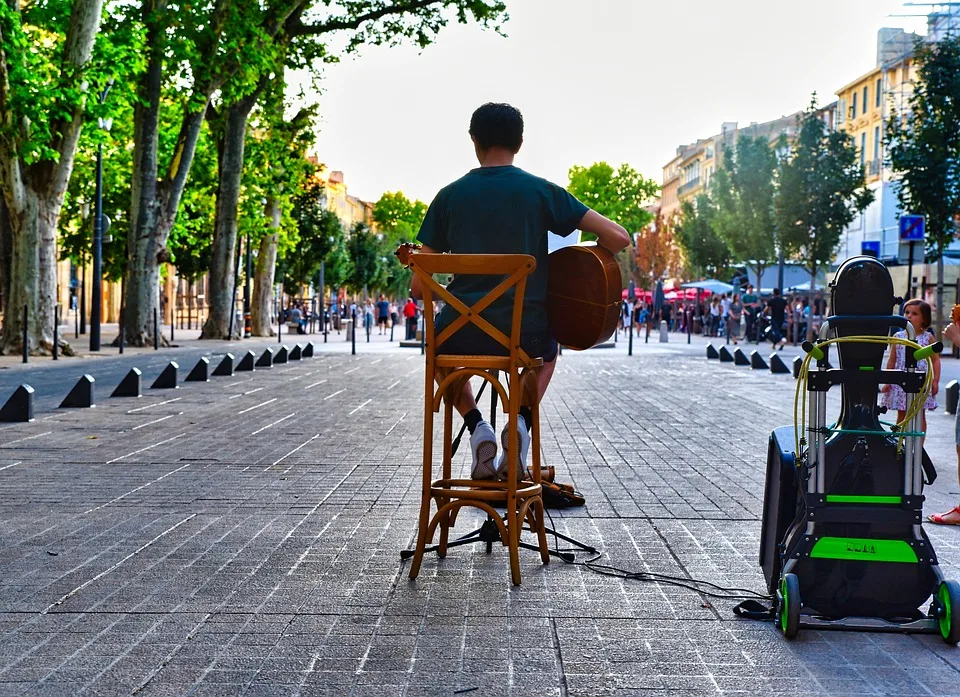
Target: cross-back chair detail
{"points": [[444, 380]]}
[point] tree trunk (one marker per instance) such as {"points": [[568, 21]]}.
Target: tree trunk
{"points": [[154, 203], [261, 315], [224, 246], [33, 261]]}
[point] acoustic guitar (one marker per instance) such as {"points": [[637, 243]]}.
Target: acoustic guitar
{"points": [[584, 295]]}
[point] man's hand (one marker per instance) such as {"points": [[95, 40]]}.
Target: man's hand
{"points": [[952, 332]]}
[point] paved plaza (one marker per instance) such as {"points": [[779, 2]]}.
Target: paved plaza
{"points": [[242, 537]]}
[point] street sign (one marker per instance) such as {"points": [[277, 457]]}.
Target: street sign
{"points": [[870, 248], [912, 228]]}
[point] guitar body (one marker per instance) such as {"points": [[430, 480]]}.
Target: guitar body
{"points": [[584, 296]]}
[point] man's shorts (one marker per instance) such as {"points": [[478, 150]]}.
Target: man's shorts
{"points": [[382, 320], [474, 342]]}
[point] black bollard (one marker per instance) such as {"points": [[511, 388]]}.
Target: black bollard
{"points": [[777, 366], [952, 392], [19, 408], [167, 380], [757, 362], [56, 331], [26, 337], [283, 355], [324, 329], [712, 351], [630, 342], [367, 327], [120, 335], [171, 329], [739, 357], [129, 386], [81, 396], [353, 332], [246, 363], [156, 329], [266, 359], [280, 325], [225, 367], [308, 350], [797, 363], [76, 324], [725, 355], [391, 330], [201, 371]]}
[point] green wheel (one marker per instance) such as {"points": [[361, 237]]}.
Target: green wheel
{"points": [[948, 611], [788, 618]]}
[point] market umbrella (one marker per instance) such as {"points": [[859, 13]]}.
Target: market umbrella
{"points": [[711, 284], [658, 299]]}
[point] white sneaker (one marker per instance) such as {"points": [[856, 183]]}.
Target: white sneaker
{"points": [[523, 443], [483, 444]]}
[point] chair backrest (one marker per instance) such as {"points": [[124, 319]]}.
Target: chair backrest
{"points": [[515, 268]]}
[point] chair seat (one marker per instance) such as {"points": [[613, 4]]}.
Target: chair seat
{"points": [[481, 489], [483, 362]]}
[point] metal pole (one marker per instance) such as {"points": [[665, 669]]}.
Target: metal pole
{"points": [[353, 332], [324, 310], [233, 297], [56, 330], [630, 340], [97, 289], [279, 321], [909, 277], [83, 298], [172, 322], [246, 289], [156, 329], [76, 324], [26, 338]]}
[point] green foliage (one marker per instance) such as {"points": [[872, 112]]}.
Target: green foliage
{"points": [[821, 190], [319, 232], [743, 193], [707, 253], [398, 219], [924, 143], [366, 258], [621, 195]]}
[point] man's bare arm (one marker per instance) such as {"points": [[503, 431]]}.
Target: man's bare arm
{"points": [[415, 290], [610, 235]]}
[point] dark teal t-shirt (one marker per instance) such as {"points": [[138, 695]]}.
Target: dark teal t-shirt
{"points": [[500, 210]]}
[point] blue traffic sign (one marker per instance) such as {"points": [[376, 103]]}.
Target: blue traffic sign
{"points": [[912, 228], [870, 248]]}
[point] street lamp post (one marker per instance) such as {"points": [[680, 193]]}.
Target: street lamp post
{"points": [[96, 290]]}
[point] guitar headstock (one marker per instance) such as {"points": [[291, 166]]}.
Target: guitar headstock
{"points": [[406, 251]]}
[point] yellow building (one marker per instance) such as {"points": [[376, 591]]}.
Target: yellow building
{"points": [[349, 209]]}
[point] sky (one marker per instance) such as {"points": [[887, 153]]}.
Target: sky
{"points": [[612, 80]]}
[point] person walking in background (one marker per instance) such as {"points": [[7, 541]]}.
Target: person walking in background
{"points": [[394, 313], [383, 314], [410, 315], [776, 310], [714, 316], [734, 315], [750, 302], [369, 315]]}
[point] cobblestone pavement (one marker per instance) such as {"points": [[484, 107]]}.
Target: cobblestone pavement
{"points": [[241, 537]]}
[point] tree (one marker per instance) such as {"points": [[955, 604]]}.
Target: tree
{"points": [[923, 144], [657, 253], [366, 266], [743, 192], [707, 253], [821, 190], [228, 47], [46, 75], [398, 219], [621, 195], [318, 231]]}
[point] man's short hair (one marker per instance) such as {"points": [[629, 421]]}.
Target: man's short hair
{"points": [[495, 124]]}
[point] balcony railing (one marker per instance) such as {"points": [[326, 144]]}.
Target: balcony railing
{"points": [[688, 186]]}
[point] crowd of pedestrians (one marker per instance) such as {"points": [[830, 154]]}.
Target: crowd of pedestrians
{"points": [[735, 316]]}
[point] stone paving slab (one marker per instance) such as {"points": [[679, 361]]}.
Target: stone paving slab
{"points": [[241, 537]]}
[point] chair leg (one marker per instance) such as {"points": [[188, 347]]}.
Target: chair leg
{"points": [[513, 533], [444, 529], [425, 498], [539, 514]]}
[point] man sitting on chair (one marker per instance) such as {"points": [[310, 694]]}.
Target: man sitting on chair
{"points": [[501, 209]]}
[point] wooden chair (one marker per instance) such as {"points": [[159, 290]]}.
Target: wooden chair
{"points": [[445, 377]]}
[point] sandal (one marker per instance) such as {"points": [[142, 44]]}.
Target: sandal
{"points": [[940, 518]]}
